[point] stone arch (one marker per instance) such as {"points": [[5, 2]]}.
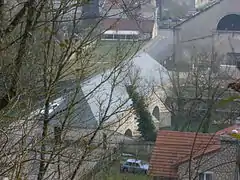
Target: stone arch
{"points": [[128, 133], [230, 22], [156, 112]]}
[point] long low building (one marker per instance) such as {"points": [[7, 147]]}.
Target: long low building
{"points": [[128, 29]]}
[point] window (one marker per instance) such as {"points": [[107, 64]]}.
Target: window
{"points": [[128, 36], [55, 106], [131, 36], [135, 36], [136, 165], [206, 176], [107, 36], [128, 163], [119, 36]]}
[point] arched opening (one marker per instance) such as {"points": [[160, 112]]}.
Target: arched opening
{"points": [[229, 22], [156, 112], [128, 133]]}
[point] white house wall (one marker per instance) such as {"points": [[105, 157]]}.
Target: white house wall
{"points": [[206, 22], [223, 42], [127, 122], [158, 101], [196, 32], [155, 30]]}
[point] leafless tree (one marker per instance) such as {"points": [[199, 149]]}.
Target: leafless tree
{"points": [[42, 63], [193, 96], [200, 98]]}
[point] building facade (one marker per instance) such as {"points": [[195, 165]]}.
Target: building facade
{"points": [[190, 156], [128, 29], [219, 165]]}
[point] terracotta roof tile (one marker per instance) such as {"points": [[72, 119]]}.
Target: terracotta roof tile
{"points": [[204, 151], [172, 147]]}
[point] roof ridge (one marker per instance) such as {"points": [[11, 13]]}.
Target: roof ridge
{"points": [[185, 132], [198, 153], [199, 12]]}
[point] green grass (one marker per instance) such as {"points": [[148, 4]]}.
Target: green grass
{"points": [[113, 49], [113, 173], [106, 54]]}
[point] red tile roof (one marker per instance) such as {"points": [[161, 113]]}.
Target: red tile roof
{"points": [[145, 26], [172, 147]]}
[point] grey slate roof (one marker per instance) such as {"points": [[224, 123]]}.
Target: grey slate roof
{"points": [[143, 67], [81, 115], [161, 47], [98, 92]]}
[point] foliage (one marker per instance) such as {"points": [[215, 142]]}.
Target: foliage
{"points": [[144, 118]]}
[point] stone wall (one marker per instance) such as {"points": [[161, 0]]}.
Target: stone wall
{"points": [[221, 163], [157, 99], [128, 119]]}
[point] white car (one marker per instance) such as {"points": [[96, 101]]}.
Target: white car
{"points": [[134, 166]]}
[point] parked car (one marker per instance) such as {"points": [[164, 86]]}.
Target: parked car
{"points": [[134, 166]]}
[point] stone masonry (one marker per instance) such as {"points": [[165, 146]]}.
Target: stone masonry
{"points": [[221, 163]]}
